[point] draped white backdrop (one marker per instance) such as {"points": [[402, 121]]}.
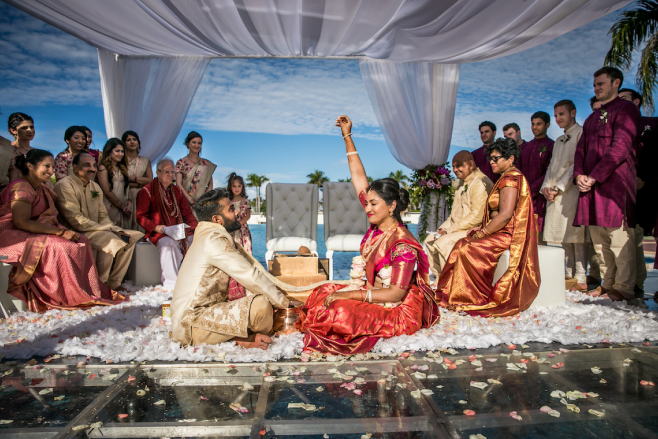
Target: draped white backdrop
{"points": [[153, 53]]}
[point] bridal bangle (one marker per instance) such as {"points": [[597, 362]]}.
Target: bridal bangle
{"points": [[352, 153]]}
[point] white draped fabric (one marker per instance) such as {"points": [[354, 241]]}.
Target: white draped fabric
{"points": [[148, 95], [403, 31], [446, 31], [415, 107]]}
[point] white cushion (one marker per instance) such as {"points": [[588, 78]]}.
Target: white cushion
{"points": [[290, 244], [344, 243], [552, 290]]}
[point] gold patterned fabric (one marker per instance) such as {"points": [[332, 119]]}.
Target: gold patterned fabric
{"points": [[465, 283], [201, 292]]}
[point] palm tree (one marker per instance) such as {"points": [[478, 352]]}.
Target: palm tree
{"points": [[632, 29], [317, 177], [255, 180], [399, 177], [345, 180]]}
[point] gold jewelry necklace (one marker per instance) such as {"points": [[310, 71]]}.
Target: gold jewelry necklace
{"points": [[369, 247]]}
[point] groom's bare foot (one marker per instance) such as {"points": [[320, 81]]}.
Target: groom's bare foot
{"points": [[254, 341]]}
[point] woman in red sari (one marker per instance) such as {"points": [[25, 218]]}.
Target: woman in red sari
{"points": [[396, 300], [53, 268], [509, 223]]}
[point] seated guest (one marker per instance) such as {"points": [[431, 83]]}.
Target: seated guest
{"points": [[487, 135], [194, 174], [6, 161], [161, 204], [80, 204], [139, 170], [53, 267], [76, 141], [467, 210], [350, 322], [219, 295], [113, 179], [509, 224]]}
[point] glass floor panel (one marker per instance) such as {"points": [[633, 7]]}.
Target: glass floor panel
{"points": [[348, 399]]}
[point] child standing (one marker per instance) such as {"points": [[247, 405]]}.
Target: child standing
{"points": [[243, 208]]}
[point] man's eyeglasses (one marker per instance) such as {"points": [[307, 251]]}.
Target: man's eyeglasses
{"points": [[495, 158]]}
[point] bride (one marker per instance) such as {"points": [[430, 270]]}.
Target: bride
{"points": [[396, 299]]}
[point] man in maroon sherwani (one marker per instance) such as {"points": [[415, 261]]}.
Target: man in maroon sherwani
{"points": [[514, 131], [604, 171], [533, 162], [488, 136], [646, 208]]}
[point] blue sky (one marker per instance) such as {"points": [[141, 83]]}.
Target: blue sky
{"points": [[275, 117]]}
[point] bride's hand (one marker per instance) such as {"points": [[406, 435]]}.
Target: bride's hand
{"points": [[331, 298], [345, 124], [473, 231]]}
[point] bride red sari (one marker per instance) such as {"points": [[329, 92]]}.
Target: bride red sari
{"points": [[49, 272], [350, 327]]}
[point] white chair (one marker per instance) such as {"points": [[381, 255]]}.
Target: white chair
{"points": [[345, 221], [144, 269], [8, 303], [291, 217], [552, 290]]}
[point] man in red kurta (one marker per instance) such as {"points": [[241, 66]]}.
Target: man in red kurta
{"points": [[533, 163], [162, 204], [604, 171], [488, 136]]}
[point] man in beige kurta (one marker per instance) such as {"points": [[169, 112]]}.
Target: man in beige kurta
{"points": [[468, 208], [219, 295], [80, 205], [562, 199]]}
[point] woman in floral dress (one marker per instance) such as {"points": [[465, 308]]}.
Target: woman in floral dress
{"points": [[243, 209], [76, 141], [139, 171], [194, 174]]}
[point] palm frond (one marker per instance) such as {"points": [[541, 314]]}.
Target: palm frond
{"points": [[628, 33], [647, 70]]}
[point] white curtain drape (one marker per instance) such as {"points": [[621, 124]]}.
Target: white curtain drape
{"points": [[446, 31], [148, 95], [415, 107]]}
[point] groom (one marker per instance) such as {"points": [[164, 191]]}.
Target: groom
{"points": [[219, 296]]}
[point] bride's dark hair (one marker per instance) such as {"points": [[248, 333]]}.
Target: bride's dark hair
{"points": [[389, 190]]}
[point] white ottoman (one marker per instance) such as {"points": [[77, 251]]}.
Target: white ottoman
{"points": [[552, 290], [144, 269], [8, 303]]}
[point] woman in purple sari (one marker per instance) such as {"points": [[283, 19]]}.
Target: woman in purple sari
{"points": [[53, 267]]}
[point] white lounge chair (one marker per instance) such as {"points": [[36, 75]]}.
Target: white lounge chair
{"points": [[345, 221], [291, 217]]}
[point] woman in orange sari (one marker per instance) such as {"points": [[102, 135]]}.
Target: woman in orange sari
{"points": [[396, 300], [509, 223], [53, 267]]}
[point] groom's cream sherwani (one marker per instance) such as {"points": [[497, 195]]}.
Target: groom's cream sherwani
{"points": [[200, 309]]}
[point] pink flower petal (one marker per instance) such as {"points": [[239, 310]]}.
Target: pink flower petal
{"points": [[469, 412], [516, 416], [511, 346], [358, 392]]}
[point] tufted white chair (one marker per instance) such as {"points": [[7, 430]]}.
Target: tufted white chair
{"points": [[292, 217], [345, 221]]}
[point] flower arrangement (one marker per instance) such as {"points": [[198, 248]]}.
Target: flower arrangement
{"points": [[431, 179]]}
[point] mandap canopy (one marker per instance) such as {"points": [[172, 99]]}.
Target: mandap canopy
{"points": [[152, 53]]}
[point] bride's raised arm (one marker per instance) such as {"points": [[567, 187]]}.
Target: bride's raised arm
{"points": [[357, 171]]}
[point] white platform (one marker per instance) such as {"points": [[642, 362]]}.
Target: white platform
{"points": [[144, 269], [8, 303], [552, 290]]}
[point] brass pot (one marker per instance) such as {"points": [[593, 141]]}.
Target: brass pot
{"points": [[284, 321]]}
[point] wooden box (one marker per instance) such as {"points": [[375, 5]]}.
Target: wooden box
{"points": [[294, 265]]}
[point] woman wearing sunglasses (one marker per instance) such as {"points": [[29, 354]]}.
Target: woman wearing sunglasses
{"points": [[509, 223]]}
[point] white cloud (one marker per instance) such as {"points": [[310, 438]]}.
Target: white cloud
{"points": [[283, 97]]}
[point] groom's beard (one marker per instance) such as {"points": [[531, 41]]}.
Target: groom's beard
{"points": [[231, 225]]}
